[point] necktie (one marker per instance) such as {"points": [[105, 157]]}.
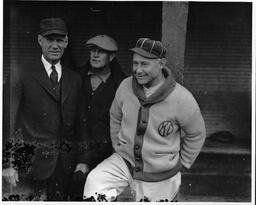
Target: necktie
{"points": [[54, 75]]}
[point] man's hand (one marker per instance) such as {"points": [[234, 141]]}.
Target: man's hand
{"points": [[82, 167], [11, 176], [80, 172]]}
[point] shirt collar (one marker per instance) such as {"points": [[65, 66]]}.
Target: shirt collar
{"points": [[48, 66], [103, 77]]}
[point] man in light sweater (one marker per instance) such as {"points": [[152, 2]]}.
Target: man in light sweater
{"points": [[149, 113]]}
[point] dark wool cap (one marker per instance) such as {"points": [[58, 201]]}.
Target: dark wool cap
{"points": [[149, 48], [52, 26]]}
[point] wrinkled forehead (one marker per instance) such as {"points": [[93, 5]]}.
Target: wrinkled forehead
{"points": [[97, 48], [56, 36]]}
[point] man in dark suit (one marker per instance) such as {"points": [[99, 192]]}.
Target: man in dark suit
{"points": [[45, 103]]}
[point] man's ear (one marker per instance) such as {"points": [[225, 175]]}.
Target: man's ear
{"points": [[39, 39], [66, 41], [112, 56], [163, 62]]}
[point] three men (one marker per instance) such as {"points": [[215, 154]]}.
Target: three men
{"points": [[45, 102], [147, 116]]}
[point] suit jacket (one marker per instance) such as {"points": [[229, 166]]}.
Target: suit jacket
{"points": [[52, 125]]}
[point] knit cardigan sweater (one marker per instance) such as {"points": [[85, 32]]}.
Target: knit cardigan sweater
{"points": [[147, 132]]}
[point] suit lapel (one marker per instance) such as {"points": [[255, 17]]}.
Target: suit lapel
{"points": [[67, 83], [43, 79]]}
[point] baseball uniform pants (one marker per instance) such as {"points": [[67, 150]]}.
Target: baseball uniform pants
{"points": [[112, 176]]}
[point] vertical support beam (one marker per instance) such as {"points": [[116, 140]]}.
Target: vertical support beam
{"points": [[174, 27]]}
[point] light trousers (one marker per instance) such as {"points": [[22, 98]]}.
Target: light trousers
{"points": [[112, 176]]}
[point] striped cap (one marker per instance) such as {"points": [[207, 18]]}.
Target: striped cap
{"points": [[149, 48]]}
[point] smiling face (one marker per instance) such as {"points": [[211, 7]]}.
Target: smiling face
{"points": [[53, 46], [148, 72], [100, 58]]}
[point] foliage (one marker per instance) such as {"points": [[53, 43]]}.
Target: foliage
{"points": [[18, 154]]}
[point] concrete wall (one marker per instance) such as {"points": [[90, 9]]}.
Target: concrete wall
{"points": [[174, 26]]}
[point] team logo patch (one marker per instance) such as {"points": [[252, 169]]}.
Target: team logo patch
{"points": [[165, 128]]}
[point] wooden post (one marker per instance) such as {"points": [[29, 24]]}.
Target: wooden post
{"points": [[174, 27]]}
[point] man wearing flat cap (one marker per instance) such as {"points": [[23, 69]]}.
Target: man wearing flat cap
{"points": [[45, 101], [101, 77], [147, 116]]}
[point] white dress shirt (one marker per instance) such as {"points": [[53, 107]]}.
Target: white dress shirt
{"points": [[48, 68]]}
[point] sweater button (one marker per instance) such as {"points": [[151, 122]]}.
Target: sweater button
{"points": [[144, 121], [137, 147], [137, 158], [84, 120], [137, 169]]}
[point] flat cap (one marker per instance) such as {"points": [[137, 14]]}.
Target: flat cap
{"points": [[149, 48], [103, 41], [52, 26]]}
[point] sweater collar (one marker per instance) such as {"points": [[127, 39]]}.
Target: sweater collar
{"points": [[160, 94]]}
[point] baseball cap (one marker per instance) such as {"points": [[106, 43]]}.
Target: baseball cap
{"points": [[104, 42], [149, 48], [52, 26]]}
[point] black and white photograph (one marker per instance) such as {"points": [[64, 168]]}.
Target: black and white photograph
{"points": [[128, 101]]}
